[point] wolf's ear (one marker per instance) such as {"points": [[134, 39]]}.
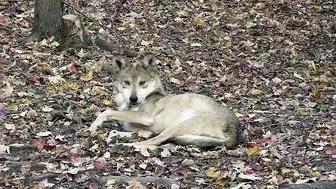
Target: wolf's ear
{"points": [[120, 62], [149, 60]]}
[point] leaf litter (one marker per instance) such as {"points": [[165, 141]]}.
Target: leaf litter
{"points": [[271, 61]]}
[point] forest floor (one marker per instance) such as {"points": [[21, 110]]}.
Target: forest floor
{"points": [[272, 62]]}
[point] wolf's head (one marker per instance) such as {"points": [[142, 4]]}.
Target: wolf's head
{"points": [[135, 81]]}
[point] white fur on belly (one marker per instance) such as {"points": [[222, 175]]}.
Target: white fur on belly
{"points": [[186, 115]]}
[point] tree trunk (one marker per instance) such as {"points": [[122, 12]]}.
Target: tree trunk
{"points": [[48, 21]]}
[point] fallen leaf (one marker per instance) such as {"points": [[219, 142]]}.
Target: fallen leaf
{"points": [[13, 107], [200, 21], [187, 162], [256, 91], [4, 149], [212, 173], [39, 144], [3, 20], [316, 174], [165, 153], [111, 182], [31, 114], [88, 76], [249, 24], [99, 165], [253, 150]]}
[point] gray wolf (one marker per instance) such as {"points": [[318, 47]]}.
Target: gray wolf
{"points": [[185, 119]]}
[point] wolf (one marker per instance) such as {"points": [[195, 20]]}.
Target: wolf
{"points": [[184, 119]]}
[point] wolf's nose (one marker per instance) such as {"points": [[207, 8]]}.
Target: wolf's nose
{"points": [[133, 99]]}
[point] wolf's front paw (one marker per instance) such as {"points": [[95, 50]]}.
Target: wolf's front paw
{"points": [[92, 129]]}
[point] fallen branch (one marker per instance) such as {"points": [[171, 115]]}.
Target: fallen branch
{"points": [[315, 185], [143, 180], [42, 177], [103, 44], [18, 165]]}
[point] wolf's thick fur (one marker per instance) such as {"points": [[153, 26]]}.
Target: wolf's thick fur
{"points": [[186, 119]]}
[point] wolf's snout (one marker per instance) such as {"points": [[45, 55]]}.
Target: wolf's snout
{"points": [[133, 99]]}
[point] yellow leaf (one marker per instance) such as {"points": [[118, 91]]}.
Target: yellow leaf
{"points": [[321, 78], [253, 150], [142, 49], [333, 141], [313, 65], [292, 50], [98, 68], [256, 91], [88, 76], [286, 92], [200, 22], [13, 107], [41, 67], [316, 7], [249, 24], [107, 102], [228, 39], [24, 100], [102, 137], [182, 13], [253, 12], [73, 86], [111, 182], [211, 173], [315, 93], [223, 181], [316, 174], [101, 91]]}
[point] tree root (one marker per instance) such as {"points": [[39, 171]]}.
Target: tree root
{"points": [[33, 37], [101, 180]]}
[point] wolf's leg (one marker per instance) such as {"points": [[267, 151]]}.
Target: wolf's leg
{"points": [[199, 141], [127, 116], [203, 131]]}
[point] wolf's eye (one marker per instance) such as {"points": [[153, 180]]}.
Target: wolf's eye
{"points": [[142, 83], [127, 82]]}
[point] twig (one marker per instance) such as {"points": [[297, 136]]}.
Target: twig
{"points": [[18, 165]]}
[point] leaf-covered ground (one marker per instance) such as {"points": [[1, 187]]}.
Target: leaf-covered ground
{"points": [[272, 62]]}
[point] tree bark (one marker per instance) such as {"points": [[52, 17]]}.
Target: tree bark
{"points": [[48, 21]]}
